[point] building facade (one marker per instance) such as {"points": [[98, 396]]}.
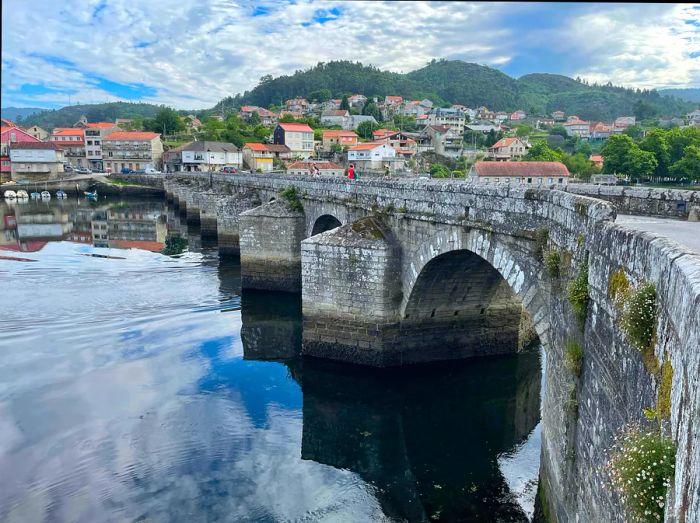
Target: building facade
{"points": [[38, 133], [345, 139], [132, 150], [202, 156], [541, 174], [452, 118], [307, 168], [72, 141], [507, 149], [36, 161], [371, 155], [94, 135], [10, 136], [261, 156], [299, 137]]}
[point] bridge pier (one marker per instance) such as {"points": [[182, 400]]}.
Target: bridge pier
{"points": [[192, 207], [208, 203], [270, 247]]}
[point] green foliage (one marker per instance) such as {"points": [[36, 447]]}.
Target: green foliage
{"points": [[579, 165], [459, 174], [552, 262], [438, 170], [559, 130], [109, 112], [688, 167], [254, 119], [577, 293], [291, 196], [623, 155], [573, 357], [344, 104], [634, 131], [174, 245], [641, 469], [365, 129], [638, 319], [336, 148], [541, 152], [371, 109], [523, 130], [165, 121]]}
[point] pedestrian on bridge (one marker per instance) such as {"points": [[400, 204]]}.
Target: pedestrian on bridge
{"points": [[351, 172]]}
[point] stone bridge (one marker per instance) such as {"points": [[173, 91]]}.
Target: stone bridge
{"points": [[397, 272]]}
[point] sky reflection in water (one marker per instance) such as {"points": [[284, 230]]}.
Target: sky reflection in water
{"points": [[149, 388]]}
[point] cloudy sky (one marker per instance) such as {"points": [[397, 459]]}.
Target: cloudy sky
{"points": [[192, 53]]}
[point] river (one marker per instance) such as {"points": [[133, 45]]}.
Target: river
{"points": [[142, 386]]}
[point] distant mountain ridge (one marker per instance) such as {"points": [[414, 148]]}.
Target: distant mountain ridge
{"points": [[105, 112], [13, 113], [691, 94], [464, 83]]}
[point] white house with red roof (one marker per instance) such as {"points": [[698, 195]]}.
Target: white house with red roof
{"points": [[132, 150], [345, 139], [72, 141], [266, 117], [507, 149], [576, 127], [371, 155], [299, 137], [543, 174], [9, 136], [517, 115]]}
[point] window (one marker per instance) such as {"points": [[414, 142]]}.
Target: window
{"points": [[550, 180], [561, 180], [529, 180]]}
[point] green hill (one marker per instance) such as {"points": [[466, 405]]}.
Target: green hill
{"points": [[107, 112], [689, 95], [447, 82], [19, 113]]}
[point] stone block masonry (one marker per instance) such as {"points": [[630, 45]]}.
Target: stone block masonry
{"points": [[270, 247]]}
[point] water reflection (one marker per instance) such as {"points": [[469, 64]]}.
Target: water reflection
{"points": [[147, 387]]}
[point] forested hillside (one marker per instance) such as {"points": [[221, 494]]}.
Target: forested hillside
{"points": [[67, 116], [448, 82]]}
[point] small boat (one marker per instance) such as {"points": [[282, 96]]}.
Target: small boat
{"points": [[61, 195], [10, 195], [91, 195], [22, 194], [45, 195], [35, 196]]}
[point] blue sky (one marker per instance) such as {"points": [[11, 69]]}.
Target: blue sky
{"points": [[192, 55]]}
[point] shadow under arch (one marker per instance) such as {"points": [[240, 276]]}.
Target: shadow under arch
{"points": [[325, 222], [459, 306]]}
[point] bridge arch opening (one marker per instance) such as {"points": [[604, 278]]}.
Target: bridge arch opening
{"points": [[460, 306], [326, 222]]}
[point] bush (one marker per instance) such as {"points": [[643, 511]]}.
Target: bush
{"points": [[638, 320], [641, 468], [552, 262], [578, 293], [438, 170], [291, 196], [573, 357]]}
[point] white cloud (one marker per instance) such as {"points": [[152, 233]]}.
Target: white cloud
{"points": [[198, 52]]}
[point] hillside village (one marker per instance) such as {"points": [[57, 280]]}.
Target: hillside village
{"points": [[389, 136]]}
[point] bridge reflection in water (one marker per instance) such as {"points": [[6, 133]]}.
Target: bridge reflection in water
{"points": [[427, 437]]}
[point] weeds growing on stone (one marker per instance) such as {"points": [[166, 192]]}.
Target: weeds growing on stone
{"points": [[552, 262], [573, 357], [641, 468], [577, 293], [638, 320], [618, 287], [290, 194], [541, 238]]}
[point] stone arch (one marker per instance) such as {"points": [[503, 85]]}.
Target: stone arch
{"points": [[472, 283], [323, 223]]}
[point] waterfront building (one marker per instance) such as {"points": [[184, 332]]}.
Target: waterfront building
{"points": [[36, 161], [202, 156], [94, 135], [9, 136], [72, 141], [133, 150]]}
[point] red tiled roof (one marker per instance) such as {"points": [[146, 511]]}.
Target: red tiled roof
{"points": [[8, 123], [366, 146], [503, 142], [337, 112], [131, 135], [596, 158], [309, 165], [68, 131], [338, 134], [101, 125], [296, 127], [39, 145], [521, 169], [273, 148]]}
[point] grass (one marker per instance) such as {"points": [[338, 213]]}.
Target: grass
{"points": [[577, 293], [573, 357], [618, 287], [663, 399], [638, 320], [552, 262], [119, 181]]}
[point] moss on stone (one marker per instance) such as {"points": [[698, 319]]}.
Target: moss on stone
{"points": [[369, 228], [291, 196], [618, 287], [581, 208], [552, 262], [663, 399], [541, 239], [577, 293], [573, 357]]}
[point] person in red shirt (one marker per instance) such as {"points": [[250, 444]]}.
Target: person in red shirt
{"points": [[351, 172]]}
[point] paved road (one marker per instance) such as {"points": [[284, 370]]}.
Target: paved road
{"points": [[684, 232]]}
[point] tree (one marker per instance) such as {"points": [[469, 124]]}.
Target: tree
{"points": [[523, 130], [541, 152], [640, 164], [336, 148], [615, 152], [344, 104], [165, 121], [559, 130], [584, 148], [438, 170], [580, 165], [634, 131], [656, 142], [365, 129], [643, 110], [371, 109], [254, 119], [688, 167]]}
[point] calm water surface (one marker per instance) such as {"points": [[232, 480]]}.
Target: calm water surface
{"points": [[138, 386]]}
